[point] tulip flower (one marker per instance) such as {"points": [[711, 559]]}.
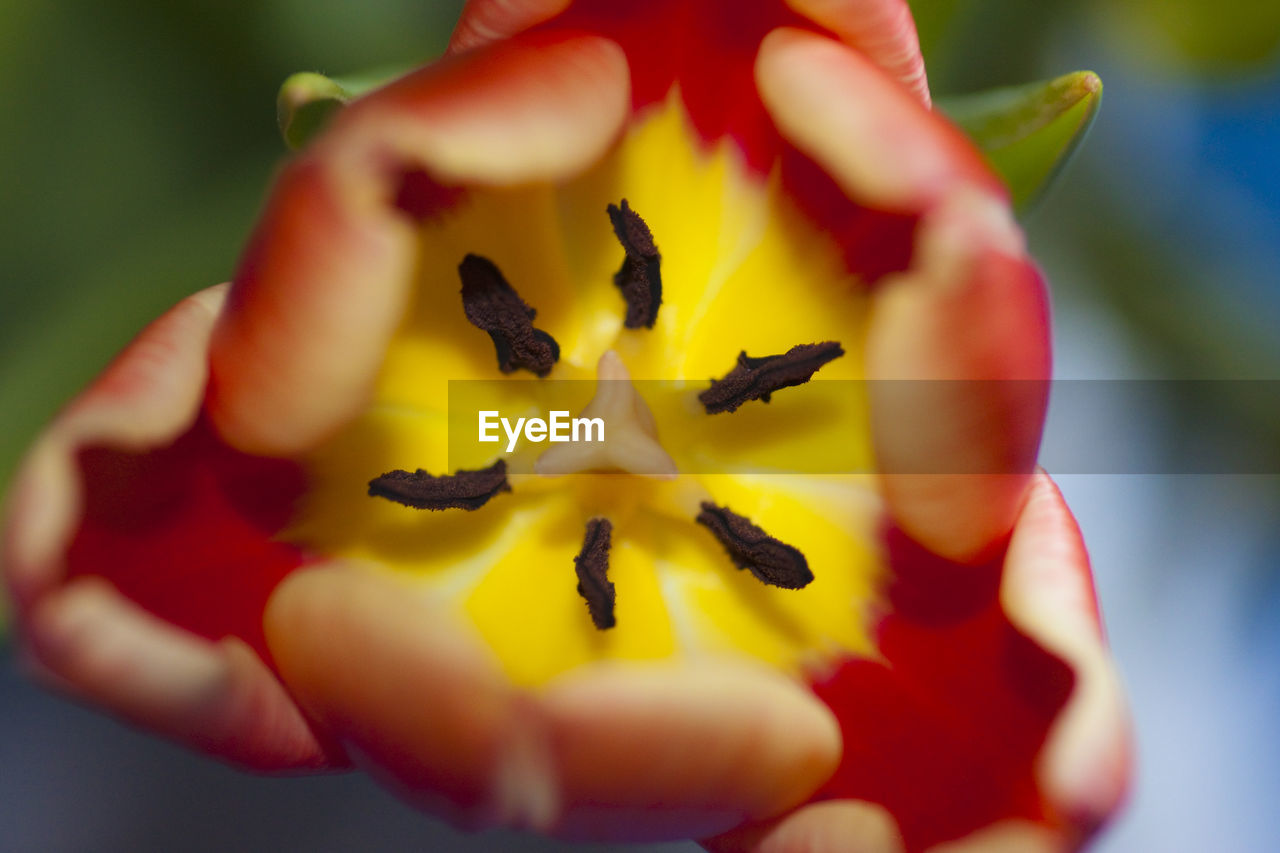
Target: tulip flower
{"points": [[247, 534]]}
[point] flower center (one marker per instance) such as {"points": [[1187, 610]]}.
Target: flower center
{"points": [[698, 524]]}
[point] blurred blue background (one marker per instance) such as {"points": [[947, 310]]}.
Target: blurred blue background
{"points": [[137, 142]]}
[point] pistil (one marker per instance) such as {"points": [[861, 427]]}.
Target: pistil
{"points": [[630, 433]]}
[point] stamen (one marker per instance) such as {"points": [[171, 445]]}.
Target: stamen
{"points": [[493, 305], [771, 561], [758, 378], [467, 490], [592, 566], [640, 278]]}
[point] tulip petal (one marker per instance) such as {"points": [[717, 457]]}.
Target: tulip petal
{"points": [[1048, 593], [217, 697], [620, 751], [125, 485], [994, 721], [485, 21], [185, 530], [401, 682], [845, 825], [853, 826], [882, 146], [149, 394], [1029, 133], [958, 351], [705, 745], [326, 277], [945, 730], [1012, 836], [297, 323], [704, 51], [541, 107], [883, 30]]}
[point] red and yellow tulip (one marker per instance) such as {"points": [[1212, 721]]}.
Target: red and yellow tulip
{"points": [[191, 544]]}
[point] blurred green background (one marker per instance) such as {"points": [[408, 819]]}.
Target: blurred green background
{"points": [[138, 141]]}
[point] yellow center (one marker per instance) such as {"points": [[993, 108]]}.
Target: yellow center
{"points": [[741, 270]]}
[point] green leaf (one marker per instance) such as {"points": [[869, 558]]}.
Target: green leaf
{"points": [[1028, 133], [308, 101]]}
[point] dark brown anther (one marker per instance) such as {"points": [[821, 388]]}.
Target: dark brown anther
{"points": [[640, 278], [494, 306], [467, 490], [772, 562], [592, 565], [757, 378]]}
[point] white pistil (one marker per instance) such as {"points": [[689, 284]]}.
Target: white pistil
{"points": [[631, 435]]}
